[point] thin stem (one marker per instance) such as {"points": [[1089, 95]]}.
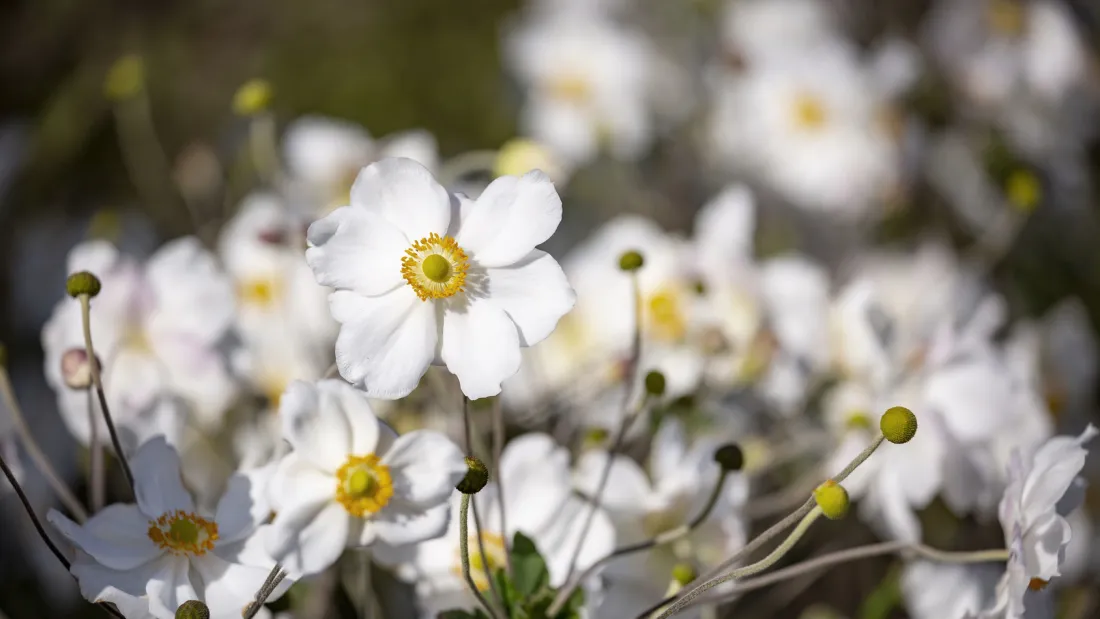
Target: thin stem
{"points": [[860, 459], [34, 517], [97, 380], [467, 423], [274, 579], [498, 449], [464, 553], [97, 486], [768, 561], [624, 425], [41, 462]]}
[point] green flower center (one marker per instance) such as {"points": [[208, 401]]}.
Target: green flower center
{"points": [[436, 268]]}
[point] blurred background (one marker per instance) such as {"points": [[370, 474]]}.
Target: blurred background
{"points": [[1004, 172]]}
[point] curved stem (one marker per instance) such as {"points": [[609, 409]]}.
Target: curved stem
{"points": [[97, 485], [274, 578], [468, 430], [768, 561], [97, 380], [464, 553], [34, 517], [498, 448], [41, 462]]}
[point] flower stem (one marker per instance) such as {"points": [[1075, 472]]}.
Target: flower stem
{"points": [[34, 517], [97, 381], [748, 570], [468, 428], [97, 486], [41, 462], [464, 552], [498, 449], [274, 579]]}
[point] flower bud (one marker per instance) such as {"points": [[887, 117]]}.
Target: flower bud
{"points": [[82, 283], [252, 97], [125, 79], [655, 383], [521, 155], [476, 476], [832, 498], [730, 457], [75, 369], [631, 261], [683, 573], [192, 609], [898, 424]]}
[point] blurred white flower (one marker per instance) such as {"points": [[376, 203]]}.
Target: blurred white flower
{"points": [[669, 493], [945, 590], [753, 30], [161, 552], [324, 155], [424, 276], [589, 83], [158, 329], [538, 502], [351, 481]]}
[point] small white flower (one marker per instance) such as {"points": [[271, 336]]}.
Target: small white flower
{"points": [[351, 481], [943, 590], [753, 29], [163, 552], [424, 276], [539, 503], [157, 329]]}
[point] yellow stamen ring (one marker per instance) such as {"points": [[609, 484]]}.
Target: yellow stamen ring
{"points": [[181, 532], [435, 267], [363, 485]]}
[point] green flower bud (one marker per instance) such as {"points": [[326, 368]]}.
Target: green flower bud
{"points": [[832, 498], [631, 261], [730, 457], [82, 283], [476, 476], [898, 424], [683, 573], [192, 609], [125, 79], [655, 383], [252, 97]]}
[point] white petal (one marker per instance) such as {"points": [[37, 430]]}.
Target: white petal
{"points": [[534, 293], [417, 144], [159, 487], [534, 472], [230, 586], [356, 249], [115, 537], [724, 229], [386, 343], [1054, 467], [425, 467], [627, 488], [364, 425], [308, 538], [193, 296], [245, 505], [297, 480], [170, 586], [558, 541], [1044, 546], [315, 425], [480, 346], [98, 584], [399, 524], [406, 194], [511, 217]]}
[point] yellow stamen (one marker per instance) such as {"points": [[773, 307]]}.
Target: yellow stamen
{"points": [[1006, 17], [495, 552], [809, 112], [181, 532], [435, 267], [260, 292], [1024, 190], [666, 318], [1037, 584], [363, 485], [570, 87]]}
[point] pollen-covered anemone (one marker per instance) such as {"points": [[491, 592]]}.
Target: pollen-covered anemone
{"points": [[425, 276]]}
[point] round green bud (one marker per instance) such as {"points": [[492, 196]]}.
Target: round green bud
{"points": [[192, 609], [125, 79], [82, 283], [476, 476], [655, 383], [683, 574], [730, 457], [252, 97], [631, 261], [832, 498], [898, 424]]}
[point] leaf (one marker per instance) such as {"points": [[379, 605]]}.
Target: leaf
{"points": [[528, 567], [885, 597]]}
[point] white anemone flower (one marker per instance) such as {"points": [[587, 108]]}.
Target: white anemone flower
{"points": [[424, 276], [945, 590], [158, 330], [164, 551], [352, 481], [538, 502], [752, 29], [324, 155]]}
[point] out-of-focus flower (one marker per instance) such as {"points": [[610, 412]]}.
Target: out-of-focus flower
{"points": [[753, 30], [158, 328], [324, 155], [351, 481], [424, 276], [162, 552], [539, 503], [939, 590]]}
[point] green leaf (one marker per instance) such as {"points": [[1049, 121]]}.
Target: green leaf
{"points": [[885, 597], [528, 567]]}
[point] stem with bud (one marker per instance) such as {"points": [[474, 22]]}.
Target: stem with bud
{"points": [[464, 552]]}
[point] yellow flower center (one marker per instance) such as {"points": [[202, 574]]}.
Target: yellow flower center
{"points": [[435, 267], [808, 112], [570, 87], [135, 340], [495, 557], [858, 420], [181, 532], [1037, 584], [666, 316], [259, 292], [1024, 190], [363, 485], [1006, 17]]}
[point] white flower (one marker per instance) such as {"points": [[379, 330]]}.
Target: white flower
{"points": [[944, 590], [680, 479], [324, 155], [165, 552], [534, 472], [157, 329], [753, 29], [589, 83], [351, 481], [424, 276]]}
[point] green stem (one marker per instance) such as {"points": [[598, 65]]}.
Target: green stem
{"points": [[464, 553], [97, 380]]}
